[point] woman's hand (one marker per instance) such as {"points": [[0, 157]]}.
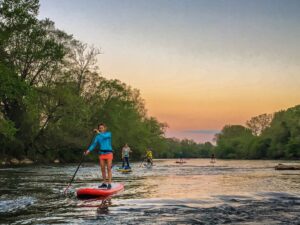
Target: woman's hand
{"points": [[97, 131], [86, 152]]}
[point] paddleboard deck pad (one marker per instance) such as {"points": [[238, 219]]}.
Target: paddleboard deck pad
{"points": [[95, 192]]}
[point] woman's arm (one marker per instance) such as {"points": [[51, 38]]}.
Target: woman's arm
{"points": [[106, 135], [93, 145]]}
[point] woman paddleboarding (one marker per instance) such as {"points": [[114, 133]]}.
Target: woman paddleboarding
{"points": [[103, 139]]}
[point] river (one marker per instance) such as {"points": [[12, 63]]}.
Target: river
{"points": [[196, 192]]}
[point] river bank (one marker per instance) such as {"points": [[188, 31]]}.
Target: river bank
{"points": [[21, 162]]}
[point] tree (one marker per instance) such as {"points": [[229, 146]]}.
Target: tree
{"points": [[233, 142], [259, 123], [82, 66]]}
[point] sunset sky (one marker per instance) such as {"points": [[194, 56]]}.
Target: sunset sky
{"points": [[198, 64]]}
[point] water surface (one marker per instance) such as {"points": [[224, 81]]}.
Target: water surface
{"points": [[197, 192]]}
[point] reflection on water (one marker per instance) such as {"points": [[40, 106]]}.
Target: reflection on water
{"points": [[197, 192]]}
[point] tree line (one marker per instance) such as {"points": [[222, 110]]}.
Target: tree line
{"points": [[267, 136]]}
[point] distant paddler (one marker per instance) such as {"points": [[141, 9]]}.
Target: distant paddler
{"points": [[149, 156], [212, 158], [125, 156], [180, 158]]}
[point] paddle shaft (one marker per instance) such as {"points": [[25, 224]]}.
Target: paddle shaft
{"points": [[82, 158], [75, 173], [142, 162]]}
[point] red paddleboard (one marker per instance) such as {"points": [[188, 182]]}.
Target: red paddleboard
{"points": [[99, 192]]}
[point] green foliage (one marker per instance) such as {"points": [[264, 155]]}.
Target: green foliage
{"points": [[52, 95], [259, 123], [233, 142], [279, 139], [175, 148]]}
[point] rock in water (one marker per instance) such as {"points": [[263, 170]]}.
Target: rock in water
{"points": [[26, 161], [14, 161], [287, 167]]}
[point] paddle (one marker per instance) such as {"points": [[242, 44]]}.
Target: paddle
{"points": [[83, 155], [142, 162], [82, 158]]}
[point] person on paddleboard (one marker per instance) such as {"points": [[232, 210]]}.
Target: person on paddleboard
{"points": [[213, 158], [125, 156], [103, 139], [149, 156], [181, 157]]}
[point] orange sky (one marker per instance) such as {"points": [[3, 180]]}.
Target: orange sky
{"points": [[223, 93]]}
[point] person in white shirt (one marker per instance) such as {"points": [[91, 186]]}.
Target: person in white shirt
{"points": [[125, 155]]}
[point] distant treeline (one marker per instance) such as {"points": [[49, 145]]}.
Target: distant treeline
{"points": [[52, 96], [267, 136]]}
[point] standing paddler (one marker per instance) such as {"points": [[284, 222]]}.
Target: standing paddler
{"points": [[103, 139]]}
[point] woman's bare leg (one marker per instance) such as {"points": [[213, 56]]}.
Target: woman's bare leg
{"points": [[109, 162], [102, 165]]}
